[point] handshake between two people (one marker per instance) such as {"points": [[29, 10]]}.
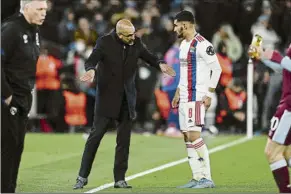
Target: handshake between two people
{"points": [[165, 68]]}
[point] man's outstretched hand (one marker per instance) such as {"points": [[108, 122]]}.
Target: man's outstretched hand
{"points": [[88, 76], [261, 54], [167, 69]]}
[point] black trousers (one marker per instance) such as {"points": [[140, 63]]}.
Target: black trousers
{"points": [[13, 128], [48, 102], [122, 143]]}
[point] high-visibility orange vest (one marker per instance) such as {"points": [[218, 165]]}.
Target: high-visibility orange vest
{"points": [[163, 103], [226, 67], [75, 108], [235, 101], [47, 73]]}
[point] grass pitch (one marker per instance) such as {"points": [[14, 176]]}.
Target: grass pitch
{"points": [[50, 163]]}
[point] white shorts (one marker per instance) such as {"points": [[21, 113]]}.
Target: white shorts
{"points": [[191, 116]]}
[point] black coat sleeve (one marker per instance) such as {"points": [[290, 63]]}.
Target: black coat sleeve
{"points": [[9, 39], [149, 57], [95, 56]]}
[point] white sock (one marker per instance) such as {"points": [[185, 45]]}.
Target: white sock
{"points": [[195, 164], [203, 155]]}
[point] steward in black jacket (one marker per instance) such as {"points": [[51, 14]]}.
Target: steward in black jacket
{"points": [[20, 47], [116, 56]]}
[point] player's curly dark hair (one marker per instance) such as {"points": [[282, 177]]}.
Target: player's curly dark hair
{"points": [[185, 16]]}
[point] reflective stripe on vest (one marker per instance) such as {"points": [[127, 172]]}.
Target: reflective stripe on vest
{"points": [[47, 73], [75, 108], [226, 66], [163, 103], [235, 101]]}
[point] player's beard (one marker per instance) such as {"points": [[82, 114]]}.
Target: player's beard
{"points": [[180, 34]]}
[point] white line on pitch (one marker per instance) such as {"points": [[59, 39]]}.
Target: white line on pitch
{"points": [[162, 167]]}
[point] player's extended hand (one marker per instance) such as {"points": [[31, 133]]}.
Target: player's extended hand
{"points": [[167, 69], [175, 101], [259, 54], [206, 100], [255, 52], [88, 76]]}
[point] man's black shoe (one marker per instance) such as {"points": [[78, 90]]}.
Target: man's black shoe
{"points": [[122, 184], [80, 183]]}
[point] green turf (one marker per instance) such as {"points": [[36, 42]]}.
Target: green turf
{"points": [[50, 163], [242, 168]]}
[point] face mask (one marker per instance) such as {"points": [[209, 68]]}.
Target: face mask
{"points": [[80, 47]]}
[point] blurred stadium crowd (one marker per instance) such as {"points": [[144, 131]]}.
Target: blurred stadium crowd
{"points": [[73, 26]]}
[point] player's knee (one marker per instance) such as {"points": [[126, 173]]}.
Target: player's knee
{"points": [[194, 135], [269, 155], [185, 136], [273, 154]]}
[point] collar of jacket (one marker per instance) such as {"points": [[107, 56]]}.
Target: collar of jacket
{"points": [[25, 23]]}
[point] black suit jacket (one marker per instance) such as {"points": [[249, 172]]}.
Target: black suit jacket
{"points": [[116, 71]]}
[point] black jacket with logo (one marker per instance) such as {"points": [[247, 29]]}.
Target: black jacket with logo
{"points": [[20, 49], [116, 71]]}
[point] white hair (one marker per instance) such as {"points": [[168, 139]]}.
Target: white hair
{"points": [[24, 3]]}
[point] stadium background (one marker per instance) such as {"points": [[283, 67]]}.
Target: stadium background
{"points": [[229, 24], [72, 27]]}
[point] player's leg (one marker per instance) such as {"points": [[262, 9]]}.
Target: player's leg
{"points": [[276, 149], [287, 152], [194, 135], [194, 163], [203, 174], [198, 154], [274, 153], [193, 156]]}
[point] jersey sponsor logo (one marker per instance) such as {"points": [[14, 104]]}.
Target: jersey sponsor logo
{"points": [[25, 38], [210, 50], [192, 49]]}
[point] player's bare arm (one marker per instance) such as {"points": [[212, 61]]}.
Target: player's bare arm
{"points": [[176, 98]]}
